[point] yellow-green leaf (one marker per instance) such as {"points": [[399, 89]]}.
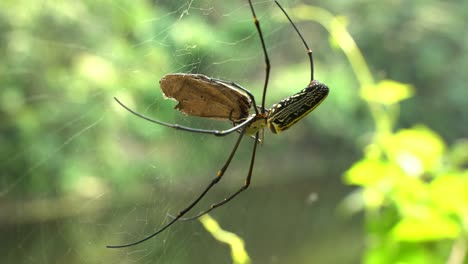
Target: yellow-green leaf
{"points": [[416, 150], [448, 193], [427, 227], [387, 92]]}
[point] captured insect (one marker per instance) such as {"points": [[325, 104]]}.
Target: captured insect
{"points": [[199, 95]]}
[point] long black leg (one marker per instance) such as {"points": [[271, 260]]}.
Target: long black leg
{"points": [[309, 51], [265, 53], [229, 198], [219, 133], [188, 208]]}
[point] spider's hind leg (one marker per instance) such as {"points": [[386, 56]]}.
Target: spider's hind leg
{"points": [[229, 198], [195, 202]]}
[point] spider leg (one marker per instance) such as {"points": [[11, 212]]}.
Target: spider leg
{"points": [[309, 51], [229, 198], [265, 54], [219, 133], [191, 205]]}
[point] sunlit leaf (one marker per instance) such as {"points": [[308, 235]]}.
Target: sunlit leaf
{"points": [[387, 92], [369, 172], [449, 193], [409, 193], [416, 150], [373, 198], [366, 172], [378, 177], [429, 225]]}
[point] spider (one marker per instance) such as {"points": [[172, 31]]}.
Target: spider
{"points": [[199, 95]]}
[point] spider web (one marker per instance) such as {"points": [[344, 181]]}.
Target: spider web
{"points": [[85, 173]]}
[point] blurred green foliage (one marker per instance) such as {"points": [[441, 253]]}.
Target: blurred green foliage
{"points": [[413, 188], [414, 196], [79, 172]]}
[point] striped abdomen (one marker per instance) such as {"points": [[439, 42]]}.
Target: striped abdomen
{"points": [[288, 111]]}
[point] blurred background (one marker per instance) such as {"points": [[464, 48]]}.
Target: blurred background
{"points": [[79, 172]]}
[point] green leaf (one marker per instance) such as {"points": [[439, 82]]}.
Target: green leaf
{"points": [[366, 172], [378, 177], [387, 92], [416, 150], [426, 225], [448, 193]]}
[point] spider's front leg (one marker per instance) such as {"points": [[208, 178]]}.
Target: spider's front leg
{"points": [[219, 133]]}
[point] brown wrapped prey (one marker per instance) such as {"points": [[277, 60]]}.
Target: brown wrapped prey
{"points": [[199, 95]]}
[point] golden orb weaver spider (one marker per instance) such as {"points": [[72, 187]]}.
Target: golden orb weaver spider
{"points": [[199, 95]]}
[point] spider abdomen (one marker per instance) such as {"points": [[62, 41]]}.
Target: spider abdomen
{"points": [[290, 110]]}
